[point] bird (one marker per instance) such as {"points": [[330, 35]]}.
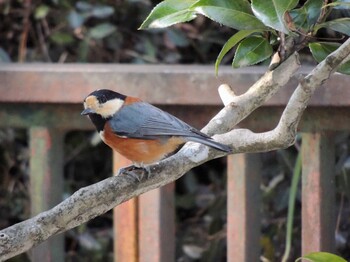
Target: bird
{"points": [[139, 131]]}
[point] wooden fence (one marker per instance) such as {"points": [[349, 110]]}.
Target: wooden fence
{"points": [[47, 100]]}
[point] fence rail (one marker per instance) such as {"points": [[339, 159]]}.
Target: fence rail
{"points": [[46, 99]]}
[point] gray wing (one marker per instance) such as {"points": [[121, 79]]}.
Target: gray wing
{"points": [[142, 120]]}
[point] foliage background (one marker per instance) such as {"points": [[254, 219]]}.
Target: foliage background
{"points": [[101, 32], [63, 31]]}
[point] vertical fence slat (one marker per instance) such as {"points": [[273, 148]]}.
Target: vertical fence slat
{"points": [[318, 193], [157, 225], [46, 184], [243, 207], [125, 222]]}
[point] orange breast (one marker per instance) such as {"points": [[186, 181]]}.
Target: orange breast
{"points": [[141, 151]]}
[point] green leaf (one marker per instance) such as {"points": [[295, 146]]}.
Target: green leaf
{"points": [[234, 40], [252, 50], [321, 257], [102, 11], [169, 12], [41, 11], [62, 38], [341, 25], [83, 6], [236, 14], [75, 19], [242, 5], [272, 12], [321, 50], [340, 4], [299, 17], [102, 30], [313, 9], [306, 16], [291, 205]]}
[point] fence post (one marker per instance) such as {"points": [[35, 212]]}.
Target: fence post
{"points": [[46, 184], [157, 225], [318, 193], [243, 207], [144, 227], [126, 247]]}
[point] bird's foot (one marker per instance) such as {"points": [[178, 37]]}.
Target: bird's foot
{"points": [[137, 173]]}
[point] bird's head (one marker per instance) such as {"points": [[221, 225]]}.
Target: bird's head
{"points": [[103, 102]]}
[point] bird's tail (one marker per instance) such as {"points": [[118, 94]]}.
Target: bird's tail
{"points": [[211, 143]]}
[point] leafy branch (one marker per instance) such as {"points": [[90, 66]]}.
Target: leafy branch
{"points": [[266, 29]]}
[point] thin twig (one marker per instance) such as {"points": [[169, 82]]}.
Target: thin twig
{"points": [[22, 52]]}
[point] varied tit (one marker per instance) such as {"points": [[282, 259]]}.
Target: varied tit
{"points": [[139, 131]]}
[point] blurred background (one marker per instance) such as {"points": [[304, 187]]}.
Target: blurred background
{"points": [[105, 31]]}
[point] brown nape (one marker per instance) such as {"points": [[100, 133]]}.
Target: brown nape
{"points": [[130, 100], [141, 150]]}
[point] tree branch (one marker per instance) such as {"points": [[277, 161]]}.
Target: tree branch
{"points": [[98, 198], [239, 107], [283, 135]]}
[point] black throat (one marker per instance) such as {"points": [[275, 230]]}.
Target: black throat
{"points": [[98, 121]]}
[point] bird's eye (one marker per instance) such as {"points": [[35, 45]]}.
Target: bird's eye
{"points": [[103, 99]]}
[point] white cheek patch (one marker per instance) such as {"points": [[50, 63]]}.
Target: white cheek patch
{"points": [[110, 107], [191, 152]]}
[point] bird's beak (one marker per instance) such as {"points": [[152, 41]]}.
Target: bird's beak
{"points": [[87, 111]]}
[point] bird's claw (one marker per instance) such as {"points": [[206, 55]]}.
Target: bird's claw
{"points": [[137, 173]]}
